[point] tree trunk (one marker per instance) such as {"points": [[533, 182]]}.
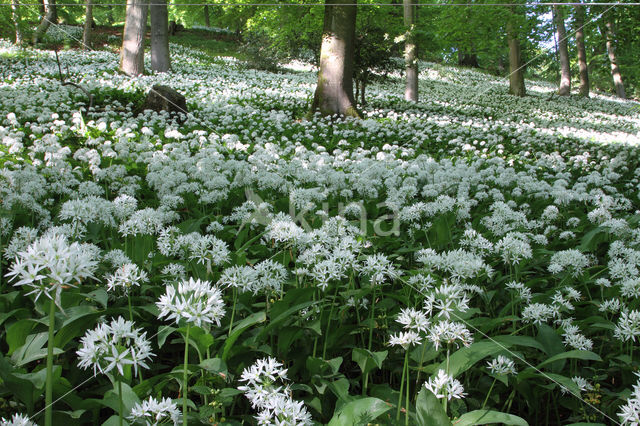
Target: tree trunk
{"points": [[563, 52], [615, 70], [516, 69], [334, 92], [582, 51], [15, 14], [50, 17], [88, 21], [160, 58], [466, 59], [207, 21], [135, 27], [410, 52]]}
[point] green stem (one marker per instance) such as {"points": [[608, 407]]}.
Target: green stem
{"points": [[121, 410], [404, 369], [488, 394], [424, 347], [406, 398], [233, 310], [324, 346], [130, 309], [185, 383], [371, 322], [48, 399]]}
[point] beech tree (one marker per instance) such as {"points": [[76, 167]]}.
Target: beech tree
{"points": [[334, 92], [516, 67], [88, 22], [563, 52], [160, 58], [135, 26], [613, 59], [410, 52], [49, 17], [15, 14], [582, 52]]}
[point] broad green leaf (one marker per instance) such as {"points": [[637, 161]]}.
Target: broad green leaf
{"points": [[360, 411], [429, 411], [509, 340], [33, 349], [163, 333], [17, 333], [577, 354], [464, 358], [129, 398], [251, 320], [215, 366], [557, 379], [368, 360], [115, 421], [552, 344], [483, 417]]}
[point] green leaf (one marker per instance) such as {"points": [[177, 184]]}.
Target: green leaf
{"points": [[163, 333], [251, 320], [115, 421], [558, 379], [509, 340], [483, 417], [216, 366], [577, 354], [33, 349], [429, 410], [360, 411], [17, 333], [129, 398], [368, 360], [464, 358]]}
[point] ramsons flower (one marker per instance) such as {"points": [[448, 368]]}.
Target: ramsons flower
{"points": [[152, 412], [194, 301], [445, 386]]}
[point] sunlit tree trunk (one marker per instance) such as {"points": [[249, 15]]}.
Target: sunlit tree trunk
{"points": [[410, 52], [582, 51], [516, 68], [50, 17], [160, 57], [615, 69], [15, 14], [334, 92], [135, 26], [563, 52], [88, 22], [207, 20]]}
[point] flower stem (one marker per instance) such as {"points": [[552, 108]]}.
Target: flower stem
{"points": [[488, 394], [185, 383], [406, 398], [371, 322], [130, 309], [121, 403], [233, 310], [404, 369], [324, 346], [48, 398]]}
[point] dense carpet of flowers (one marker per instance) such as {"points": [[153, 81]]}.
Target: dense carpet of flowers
{"points": [[471, 255]]}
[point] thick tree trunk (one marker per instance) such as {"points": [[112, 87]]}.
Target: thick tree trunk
{"points": [[615, 70], [50, 17], [88, 22], [410, 52], [135, 27], [563, 52], [207, 20], [334, 92], [582, 51], [15, 14], [160, 58], [516, 68], [466, 59]]}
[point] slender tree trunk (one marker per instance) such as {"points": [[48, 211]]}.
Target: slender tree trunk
{"points": [[135, 27], [207, 20], [516, 68], [50, 17], [563, 52], [615, 70], [410, 52], [334, 92], [582, 51], [160, 58], [15, 14], [88, 22]]}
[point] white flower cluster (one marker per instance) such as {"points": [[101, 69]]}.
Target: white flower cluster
{"points": [[114, 346], [152, 412], [194, 301], [265, 390], [125, 277], [630, 412], [17, 420], [443, 385]]}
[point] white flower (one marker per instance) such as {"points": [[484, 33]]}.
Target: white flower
{"points": [[449, 332], [113, 346], [17, 420], [445, 386], [628, 327], [125, 277], [195, 301], [413, 319], [405, 339], [152, 412], [502, 365]]}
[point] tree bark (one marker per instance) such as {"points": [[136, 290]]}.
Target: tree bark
{"points": [[50, 17], [15, 14], [334, 92], [615, 69], [88, 21], [410, 52], [135, 26], [582, 51], [207, 20], [466, 59], [563, 52], [160, 57], [516, 68]]}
